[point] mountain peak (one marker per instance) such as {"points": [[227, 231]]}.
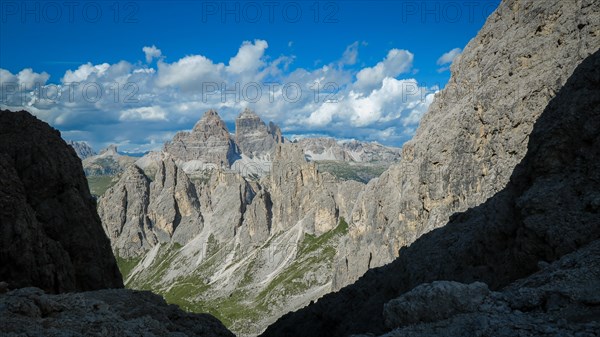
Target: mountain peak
{"points": [[111, 150], [83, 149], [211, 122], [209, 142], [253, 136], [248, 113]]}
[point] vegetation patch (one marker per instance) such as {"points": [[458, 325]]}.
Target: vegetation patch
{"points": [[127, 265], [100, 184], [362, 172], [242, 308]]}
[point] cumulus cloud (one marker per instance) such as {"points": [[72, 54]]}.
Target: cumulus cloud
{"points": [[149, 113], [350, 54], [398, 100], [188, 72], [27, 79], [23, 88], [448, 58], [248, 58], [151, 53], [84, 71], [140, 105], [395, 63]]}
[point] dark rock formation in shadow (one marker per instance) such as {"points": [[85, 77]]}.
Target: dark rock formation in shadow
{"points": [[50, 234], [550, 207]]}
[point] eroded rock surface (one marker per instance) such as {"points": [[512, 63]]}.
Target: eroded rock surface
{"points": [[51, 236], [476, 130], [548, 209], [115, 312]]}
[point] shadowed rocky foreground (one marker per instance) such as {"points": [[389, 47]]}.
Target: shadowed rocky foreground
{"points": [[549, 211], [53, 250], [491, 217]]}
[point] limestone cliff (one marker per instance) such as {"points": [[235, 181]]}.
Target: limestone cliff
{"points": [[476, 130], [209, 143], [51, 236], [253, 137], [550, 207], [261, 247], [83, 149]]}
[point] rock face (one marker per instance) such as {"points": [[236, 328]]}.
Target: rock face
{"points": [[108, 163], [227, 244], [51, 238], [138, 213], [476, 130], [353, 150], [548, 209], [51, 235], [559, 300], [115, 312], [208, 143], [82, 149], [253, 137], [302, 194]]}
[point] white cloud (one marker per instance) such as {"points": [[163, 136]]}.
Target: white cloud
{"points": [[151, 53], [400, 100], [26, 79], [395, 63], [188, 72], [149, 113], [350, 54], [29, 78], [449, 57], [248, 58], [154, 101], [84, 71]]}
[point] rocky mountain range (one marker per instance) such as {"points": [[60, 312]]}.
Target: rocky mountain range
{"points": [[250, 150], [276, 232], [243, 250], [487, 223], [83, 149], [318, 149], [523, 263], [108, 162], [58, 276]]}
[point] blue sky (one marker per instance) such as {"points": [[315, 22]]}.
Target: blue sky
{"points": [[376, 64]]}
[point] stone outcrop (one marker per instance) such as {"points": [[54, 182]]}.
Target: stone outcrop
{"points": [[115, 312], [559, 300], [51, 236], [108, 162], [352, 150], [253, 137], [548, 209], [244, 236], [138, 213], [476, 130], [125, 214], [83, 149], [208, 143], [300, 193]]}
